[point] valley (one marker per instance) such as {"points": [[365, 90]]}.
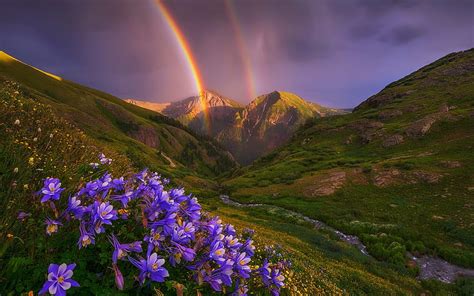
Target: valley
{"points": [[397, 172], [376, 201]]}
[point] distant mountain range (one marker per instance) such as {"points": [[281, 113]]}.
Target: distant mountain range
{"points": [[246, 131]]}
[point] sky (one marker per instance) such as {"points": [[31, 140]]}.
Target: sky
{"points": [[333, 52]]}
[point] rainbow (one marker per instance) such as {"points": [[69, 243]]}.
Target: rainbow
{"points": [[244, 56], [190, 59]]}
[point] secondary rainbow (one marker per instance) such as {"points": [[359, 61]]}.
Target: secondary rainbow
{"points": [[244, 55], [189, 57]]}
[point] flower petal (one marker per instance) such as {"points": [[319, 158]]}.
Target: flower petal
{"points": [[45, 288], [65, 285], [160, 262], [73, 283], [52, 276], [53, 268], [53, 288], [62, 268], [60, 292], [71, 266], [68, 274]]}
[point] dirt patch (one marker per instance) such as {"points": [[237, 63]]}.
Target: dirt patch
{"points": [[329, 182], [392, 176], [326, 184], [427, 177], [387, 177]]}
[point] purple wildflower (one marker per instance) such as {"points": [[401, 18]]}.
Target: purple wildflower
{"points": [[118, 184], [271, 277], [59, 279], [151, 267], [217, 251], [229, 229], [180, 251], [90, 189], [86, 238], [277, 278], [23, 215], [104, 213], [51, 226], [121, 250], [118, 277], [51, 189], [154, 239], [241, 265], [221, 276], [74, 207], [124, 198], [232, 242], [249, 247], [240, 289]]}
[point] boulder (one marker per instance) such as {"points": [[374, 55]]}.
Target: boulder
{"points": [[421, 127]]}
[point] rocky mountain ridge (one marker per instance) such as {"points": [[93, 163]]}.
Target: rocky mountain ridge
{"points": [[246, 131]]}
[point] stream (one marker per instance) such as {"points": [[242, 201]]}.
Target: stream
{"points": [[430, 267]]}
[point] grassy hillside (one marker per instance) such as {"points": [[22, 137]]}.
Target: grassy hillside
{"points": [[146, 137], [51, 127], [37, 141], [397, 172]]}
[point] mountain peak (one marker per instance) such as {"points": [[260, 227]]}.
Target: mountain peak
{"points": [[214, 99]]}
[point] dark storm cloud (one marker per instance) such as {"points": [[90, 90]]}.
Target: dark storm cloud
{"points": [[336, 52], [402, 34]]}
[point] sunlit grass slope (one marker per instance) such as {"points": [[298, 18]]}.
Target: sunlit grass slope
{"points": [[143, 135]]}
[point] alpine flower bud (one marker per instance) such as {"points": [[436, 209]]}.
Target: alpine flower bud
{"points": [[118, 277]]}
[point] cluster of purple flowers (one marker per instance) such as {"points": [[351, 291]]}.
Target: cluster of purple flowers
{"points": [[175, 233]]}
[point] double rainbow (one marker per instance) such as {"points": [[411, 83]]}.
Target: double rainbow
{"points": [[191, 60]]}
